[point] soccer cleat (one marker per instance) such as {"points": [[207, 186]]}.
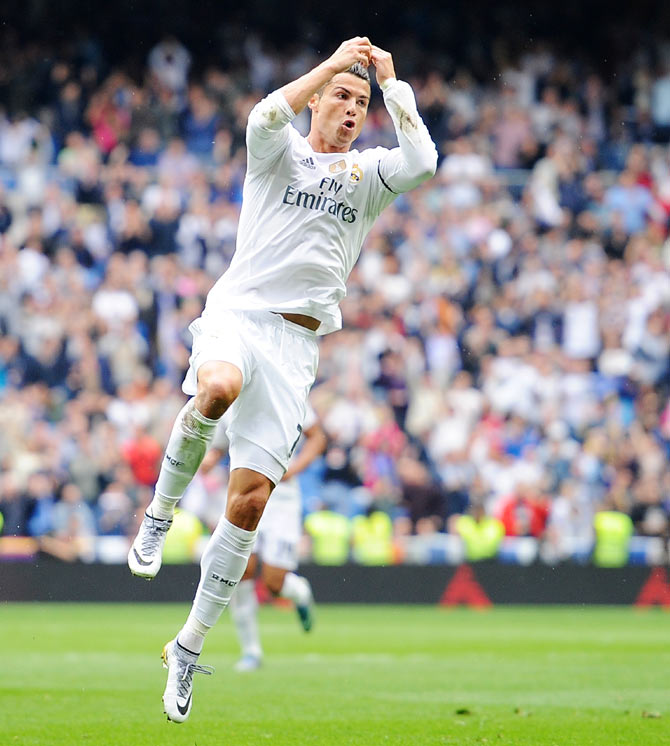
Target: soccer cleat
{"points": [[146, 553], [248, 663], [306, 613], [178, 695], [306, 616]]}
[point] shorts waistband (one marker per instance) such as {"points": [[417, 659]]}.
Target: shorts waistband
{"points": [[276, 319]]}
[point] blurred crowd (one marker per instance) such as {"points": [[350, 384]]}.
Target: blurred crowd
{"points": [[507, 329]]}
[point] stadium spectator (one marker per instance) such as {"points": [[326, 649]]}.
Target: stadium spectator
{"points": [[525, 512], [169, 62], [15, 506], [481, 533], [73, 531]]}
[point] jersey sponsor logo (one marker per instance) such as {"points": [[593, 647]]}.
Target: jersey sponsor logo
{"points": [[356, 175], [321, 202], [338, 167], [308, 163]]}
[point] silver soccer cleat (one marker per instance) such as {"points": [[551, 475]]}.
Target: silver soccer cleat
{"points": [[146, 553], [178, 695]]}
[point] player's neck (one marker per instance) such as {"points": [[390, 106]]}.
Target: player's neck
{"points": [[320, 145]]}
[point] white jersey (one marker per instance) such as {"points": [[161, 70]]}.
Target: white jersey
{"points": [[305, 214]]}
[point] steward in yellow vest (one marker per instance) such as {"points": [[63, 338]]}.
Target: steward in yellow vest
{"points": [[373, 538], [481, 534], [181, 543], [330, 533], [613, 532]]}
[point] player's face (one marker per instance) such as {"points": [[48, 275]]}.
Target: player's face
{"points": [[339, 112]]}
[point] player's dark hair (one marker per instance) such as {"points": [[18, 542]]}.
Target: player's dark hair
{"points": [[357, 69], [360, 71]]}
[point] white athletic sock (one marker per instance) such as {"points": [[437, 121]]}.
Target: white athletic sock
{"points": [[222, 565], [192, 634], [191, 435], [162, 507], [297, 589], [244, 610]]}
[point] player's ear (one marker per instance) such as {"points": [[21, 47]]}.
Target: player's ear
{"points": [[313, 103]]}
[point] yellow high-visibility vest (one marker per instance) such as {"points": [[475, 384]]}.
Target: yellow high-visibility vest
{"points": [[330, 533], [613, 532], [481, 538], [373, 539], [182, 539]]}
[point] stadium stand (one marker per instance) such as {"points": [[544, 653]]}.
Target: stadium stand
{"points": [[507, 328]]}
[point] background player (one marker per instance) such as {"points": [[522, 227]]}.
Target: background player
{"points": [[308, 204]]}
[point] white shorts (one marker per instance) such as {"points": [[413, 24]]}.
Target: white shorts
{"points": [[278, 361], [280, 527]]}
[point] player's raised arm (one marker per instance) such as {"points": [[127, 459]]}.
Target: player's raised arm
{"points": [[271, 115], [415, 160]]}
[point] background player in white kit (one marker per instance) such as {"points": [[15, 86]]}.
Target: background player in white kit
{"points": [[308, 204], [277, 545]]}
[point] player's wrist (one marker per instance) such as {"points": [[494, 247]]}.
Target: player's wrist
{"points": [[329, 68], [387, 83]]}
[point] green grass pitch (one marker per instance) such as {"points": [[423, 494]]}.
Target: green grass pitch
{"points": [[91, 674]]}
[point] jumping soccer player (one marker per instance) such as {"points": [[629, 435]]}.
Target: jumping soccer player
{"points": [[308, 204]]}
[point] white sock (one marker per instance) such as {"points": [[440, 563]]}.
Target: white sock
{"points": [[297, 589], [244, 610], [222, 565], [191, 435], [192, 634], [162, 507]]}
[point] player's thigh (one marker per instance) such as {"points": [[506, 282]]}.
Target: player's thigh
{"points": [[271, 407], [221, 362]]}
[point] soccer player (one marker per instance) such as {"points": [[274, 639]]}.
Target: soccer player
{"points": [[308, 203]]}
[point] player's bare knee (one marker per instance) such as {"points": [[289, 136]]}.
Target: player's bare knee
{"points": [[218, 387]]}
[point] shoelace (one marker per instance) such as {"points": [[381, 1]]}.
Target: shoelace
{"points": [[152, 536], [186, 677]]}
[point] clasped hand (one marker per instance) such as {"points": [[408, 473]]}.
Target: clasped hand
{"points": [[360, 49]]}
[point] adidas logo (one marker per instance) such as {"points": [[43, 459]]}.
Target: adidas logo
{"points": [[308, 163]]}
